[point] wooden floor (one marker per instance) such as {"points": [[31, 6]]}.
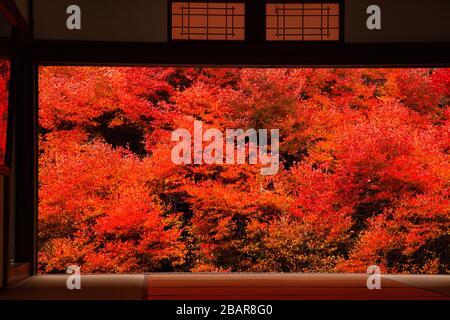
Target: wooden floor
{"points": [[231, 286], [294, 287], [93, 287]]}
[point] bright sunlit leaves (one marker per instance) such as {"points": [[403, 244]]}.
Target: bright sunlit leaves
{"points": [[364, 176]]}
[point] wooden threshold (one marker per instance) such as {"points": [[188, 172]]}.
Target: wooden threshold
{"points": [[231, 286], [290, 287]]}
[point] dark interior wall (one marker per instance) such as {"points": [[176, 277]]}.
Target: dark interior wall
{"points": [[23, 6], [5, 27], [402, 21], [149, 24]]}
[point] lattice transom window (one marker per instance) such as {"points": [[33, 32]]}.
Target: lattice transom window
{"points": [[208, 21], [302, 21]]}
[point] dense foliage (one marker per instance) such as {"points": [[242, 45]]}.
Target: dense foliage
{"points": [[365, 174]]}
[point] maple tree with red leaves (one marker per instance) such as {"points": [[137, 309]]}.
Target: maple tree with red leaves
{"points": [[364, 176]]}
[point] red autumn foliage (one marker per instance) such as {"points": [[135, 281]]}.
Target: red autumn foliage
{"points": [[364, 176]]}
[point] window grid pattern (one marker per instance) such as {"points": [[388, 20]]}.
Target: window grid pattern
{"points": [[302, 21], [208, 21]]}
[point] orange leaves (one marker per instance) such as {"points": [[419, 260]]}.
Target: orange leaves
{"points": [[441, 81], [319, 205], [410, 238], [101, 192], [76, 96], [59, 253], [419, 89], [114, 257], [203, 102], [385, 156], [364, 177]]}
